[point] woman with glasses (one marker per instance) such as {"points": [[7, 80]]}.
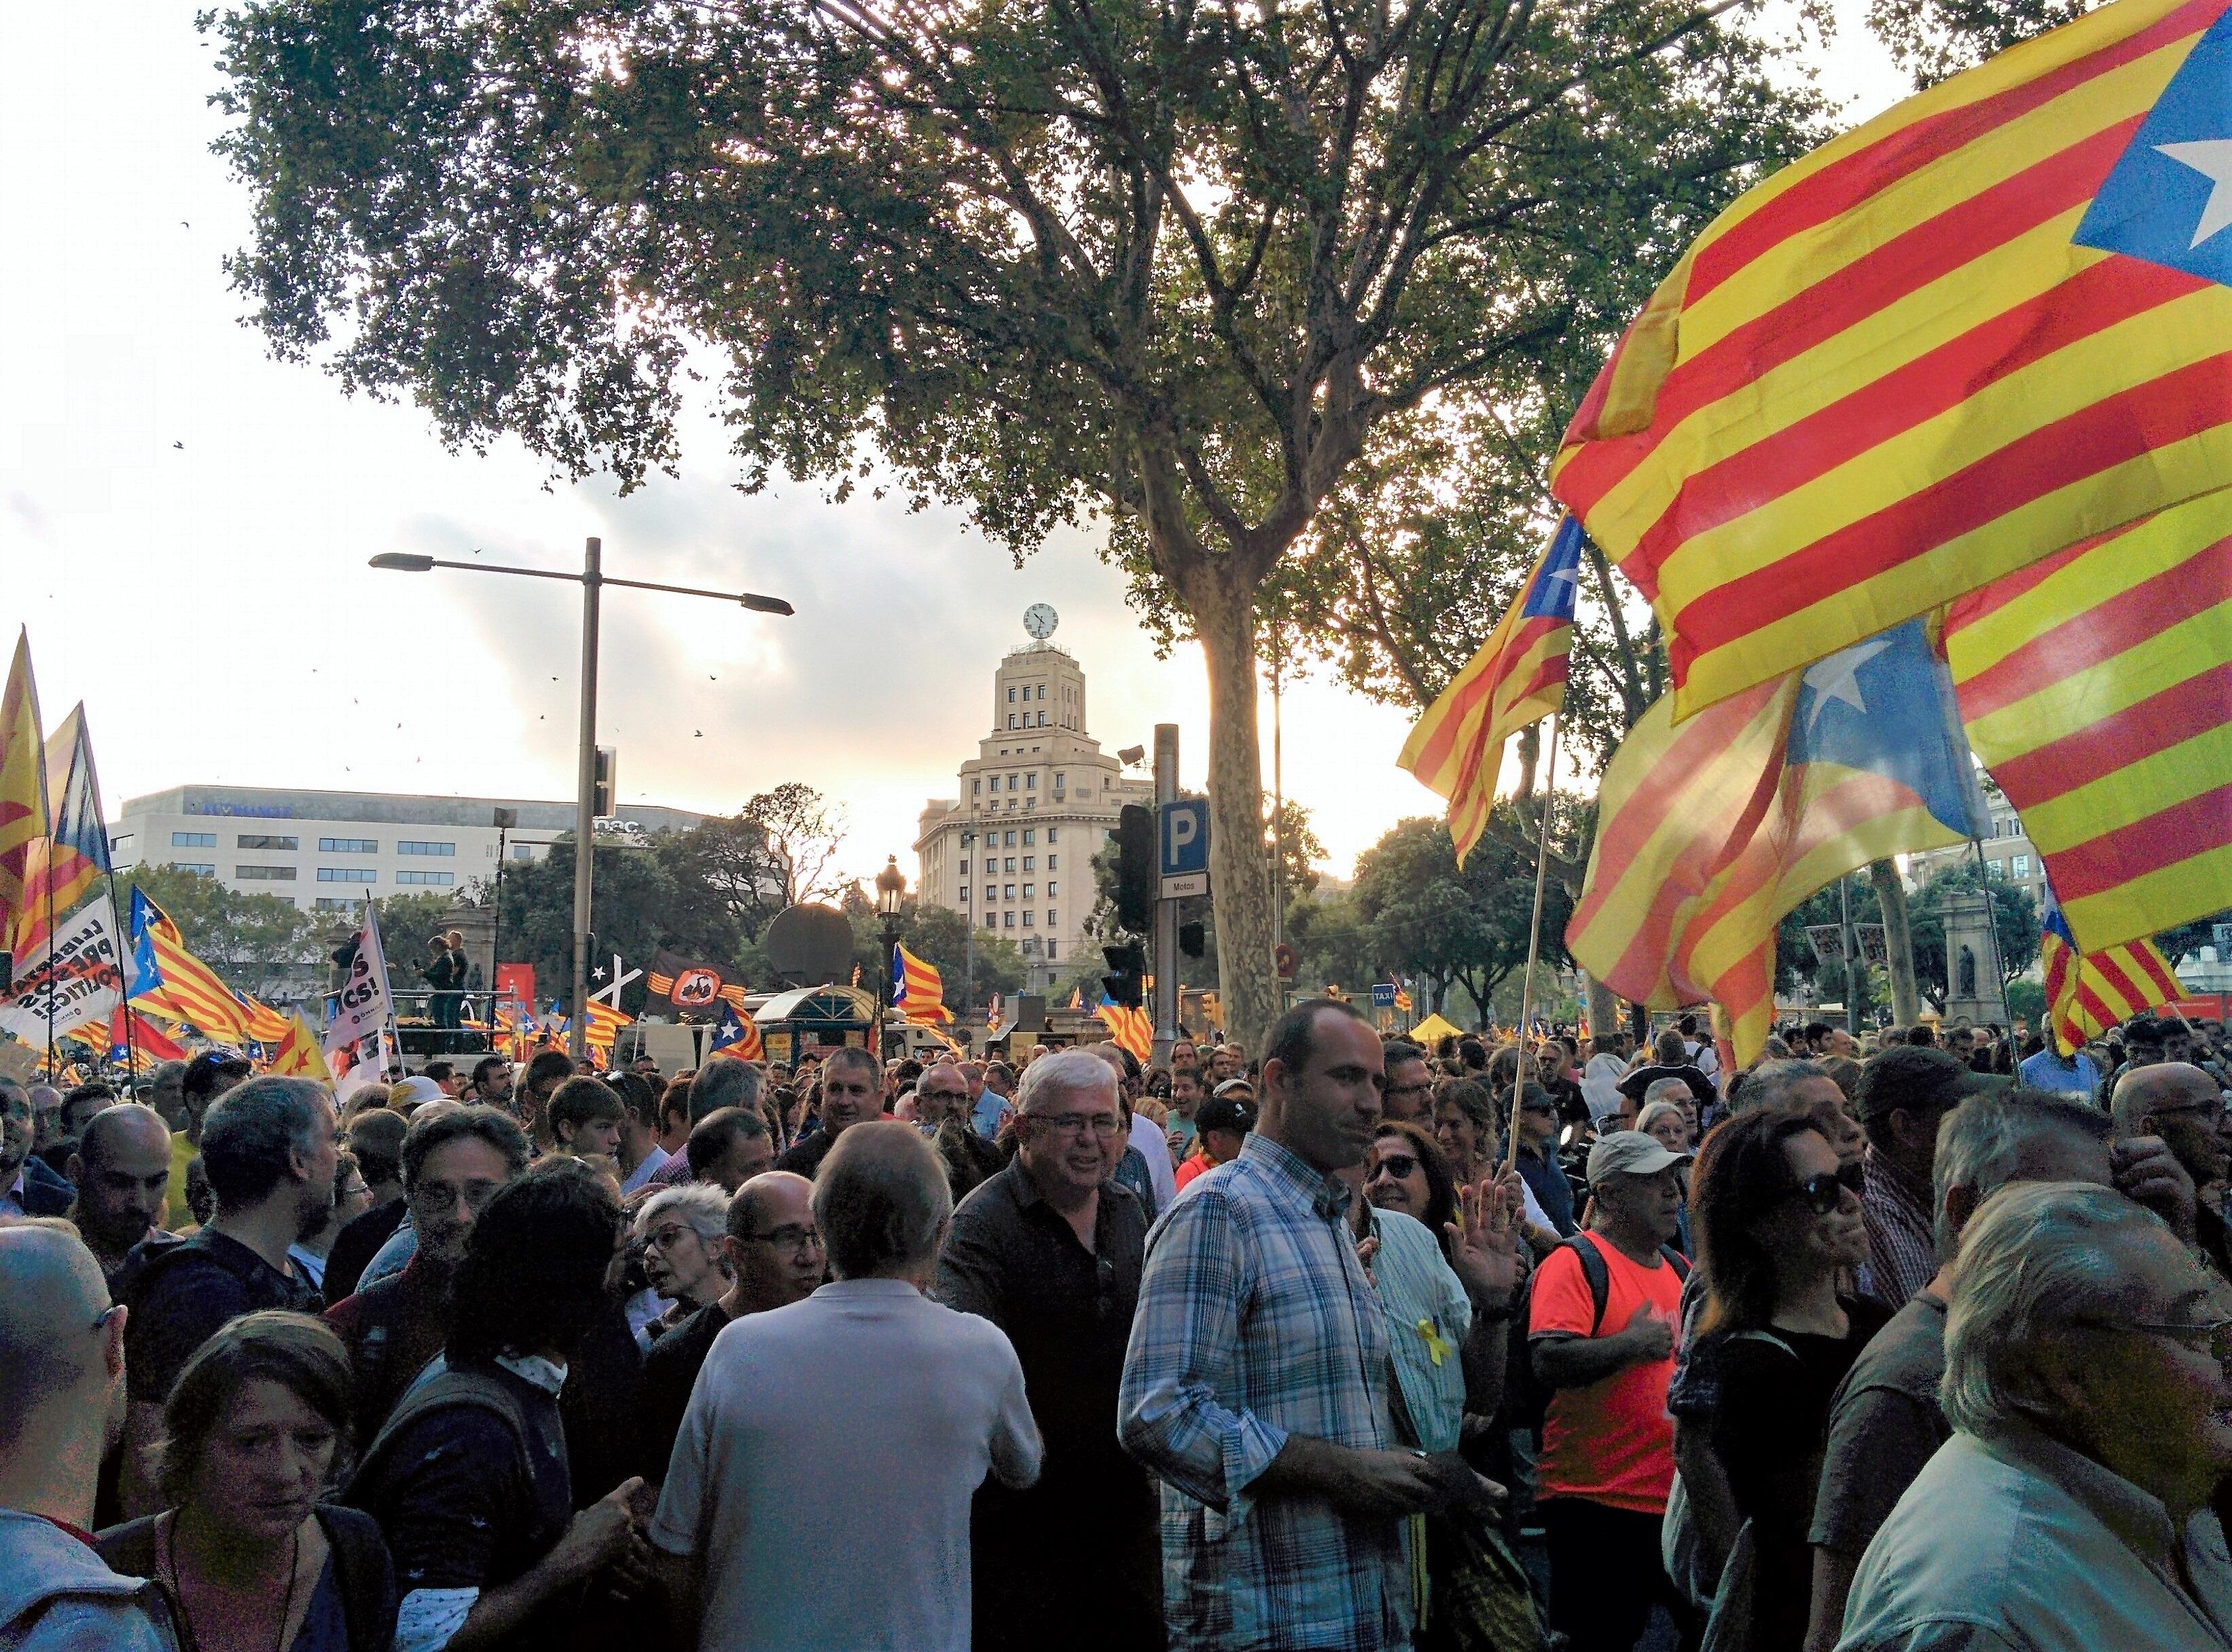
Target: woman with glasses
{"points": [[1777, 1227], [680, 1233], [254, 1433]]}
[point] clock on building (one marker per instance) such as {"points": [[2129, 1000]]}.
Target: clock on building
{"points": [[1040, 620]]}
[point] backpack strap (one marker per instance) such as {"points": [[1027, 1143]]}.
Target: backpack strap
{"points": [[1675, 1260], [439, 1391], [1597, 1273], [364, 1572]]}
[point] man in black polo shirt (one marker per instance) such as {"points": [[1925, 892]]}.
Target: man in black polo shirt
{"points": [[774, 1259], [1050, 1251], [852, 1090], [269, 1148]]}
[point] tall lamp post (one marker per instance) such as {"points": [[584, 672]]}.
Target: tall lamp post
{"points": [[591, 578], [967, 942], [891, 896]]}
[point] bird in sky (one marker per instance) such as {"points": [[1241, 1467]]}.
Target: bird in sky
{"points": [[181, 446], [698, 734]]}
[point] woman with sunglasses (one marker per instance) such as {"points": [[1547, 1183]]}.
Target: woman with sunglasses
{"points": [[1777, 1229]]}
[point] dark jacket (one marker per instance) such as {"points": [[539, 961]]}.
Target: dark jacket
{"points": [[359, 1562]]}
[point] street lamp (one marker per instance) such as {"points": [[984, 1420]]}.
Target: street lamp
{"points": [[969, 941], [591, 578], [891, 894]]}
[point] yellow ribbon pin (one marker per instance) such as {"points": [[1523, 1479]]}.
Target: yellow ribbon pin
{"points": [[1438, 1347]]}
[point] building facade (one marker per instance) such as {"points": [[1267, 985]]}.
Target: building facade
{"points": [[325, 850], [1013, 850], [2008, 851]]}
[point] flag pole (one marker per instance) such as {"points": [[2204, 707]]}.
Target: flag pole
{"points": [[1991, 925], [47, 877], [123, 985], [1533, 944]]}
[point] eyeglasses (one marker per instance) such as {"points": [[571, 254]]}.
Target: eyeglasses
{"points": [[1822, 1192], [792, 1236], [667, 1238], [2217, 1332], [1401, 1166], [1104, 1126]]}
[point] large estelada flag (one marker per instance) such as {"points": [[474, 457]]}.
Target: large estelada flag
{"points": [[22, 784], [917, 990], [184, 988], [1984, 326], [67, 864], [1711, 830], [1518, 676], [2087, 993], [2097, 687]]}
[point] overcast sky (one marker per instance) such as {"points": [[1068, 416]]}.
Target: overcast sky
{"points": [[184, 524]]}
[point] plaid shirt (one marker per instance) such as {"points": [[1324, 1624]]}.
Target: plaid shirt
{"points": [[1902, 1249], [1255, 1321]]}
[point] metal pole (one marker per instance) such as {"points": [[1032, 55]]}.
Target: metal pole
{"points": [[585, 823], [1852, 956], [969, 940], [1166, 912], [1991, 923], [123, 979], [1534, 947], [496, 936]]}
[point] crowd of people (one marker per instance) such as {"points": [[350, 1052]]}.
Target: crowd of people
{"points": [[1900, 1344]]}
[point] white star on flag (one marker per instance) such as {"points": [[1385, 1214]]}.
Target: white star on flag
{"points": [[1838, 678], [2212, 158]]}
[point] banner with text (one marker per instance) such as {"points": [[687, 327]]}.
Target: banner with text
{"points": [[74, 974]]}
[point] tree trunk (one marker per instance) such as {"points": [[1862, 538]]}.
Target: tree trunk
{"points": [[1530, 755], [1898, 942], [1604, 1009], [1240, 879]]}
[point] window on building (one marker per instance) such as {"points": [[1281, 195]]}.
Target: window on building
{"points": [[1029, 861], [407, 847], [1031, 781], [347, 875], [1054, 922], [433, 877], [201, 866], [964, 894], [1012, 694], [334, 903], [1051, 859], [1011, 719], [120, 844], [1012, 779], [1041, 719], [1029, 803], [1011, 806], [247, 841], [349, 846], [1051, 837], [522, 852], [976, 788], [1027, 920], [194, 840], [1007, 920], [2020, 866], [1011, 892], [1011, 839], [1051, 890], [1057, 782], [264, 874], [1028, 892], [964, 866], [1030, 837]]}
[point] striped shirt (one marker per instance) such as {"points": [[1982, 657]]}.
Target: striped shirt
{"points": [[1255, 1321], [1902, 1249]]}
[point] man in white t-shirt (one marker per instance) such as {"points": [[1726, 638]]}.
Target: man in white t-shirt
{"points": [[867, 1411]]}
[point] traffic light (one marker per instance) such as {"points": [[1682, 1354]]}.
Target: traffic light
{"points": [[606, 784], [1127, 986], [1136, 872], [1193, 939]]}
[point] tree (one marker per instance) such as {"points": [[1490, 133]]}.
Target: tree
{"points": [[249, 940], [1188, 266], [801, 829], [1425, 918], [637, 909]]}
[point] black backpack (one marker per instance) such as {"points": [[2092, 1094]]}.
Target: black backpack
{"points": [[1526, 1398]]}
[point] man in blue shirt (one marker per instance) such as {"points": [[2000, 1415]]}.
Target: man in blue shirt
{"points": [[1538, 1158], [995, 1101], [2064, 1075]]}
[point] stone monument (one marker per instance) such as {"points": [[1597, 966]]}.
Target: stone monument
{"points": [[1972, 977]]}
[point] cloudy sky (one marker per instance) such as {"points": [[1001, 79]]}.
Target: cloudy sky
{"points": [[185, 525]]}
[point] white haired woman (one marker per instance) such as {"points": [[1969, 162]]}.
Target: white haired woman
{"points": [[678, 1233]]}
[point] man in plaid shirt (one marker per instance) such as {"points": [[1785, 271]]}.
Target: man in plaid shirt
{"points": [[1256, 1386]]}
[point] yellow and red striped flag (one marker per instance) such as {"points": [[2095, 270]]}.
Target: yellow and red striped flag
{"points": [[604, 1025], [918, 991], [2088, 992], [1958, 339], [2096, 686], [298, 1054], [189, 990], [1711, 830], [23, 785], [1128, 1028], [1517, 677]]}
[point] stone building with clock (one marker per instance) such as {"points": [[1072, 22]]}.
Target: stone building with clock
{"points": [[1013, 850]]}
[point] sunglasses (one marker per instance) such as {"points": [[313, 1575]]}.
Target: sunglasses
{"points": [[1823, 1193], [1401, 1166]]}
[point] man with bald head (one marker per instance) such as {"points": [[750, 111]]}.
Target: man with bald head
{"points": [[774, 1257], [61, 1364], [2182, 1104], [122, 1171]]}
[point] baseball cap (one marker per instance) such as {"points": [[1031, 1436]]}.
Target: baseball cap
{"points": [[1224, 1113], [1916, 1076], [1235, 1087], [1629, 1152]]}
